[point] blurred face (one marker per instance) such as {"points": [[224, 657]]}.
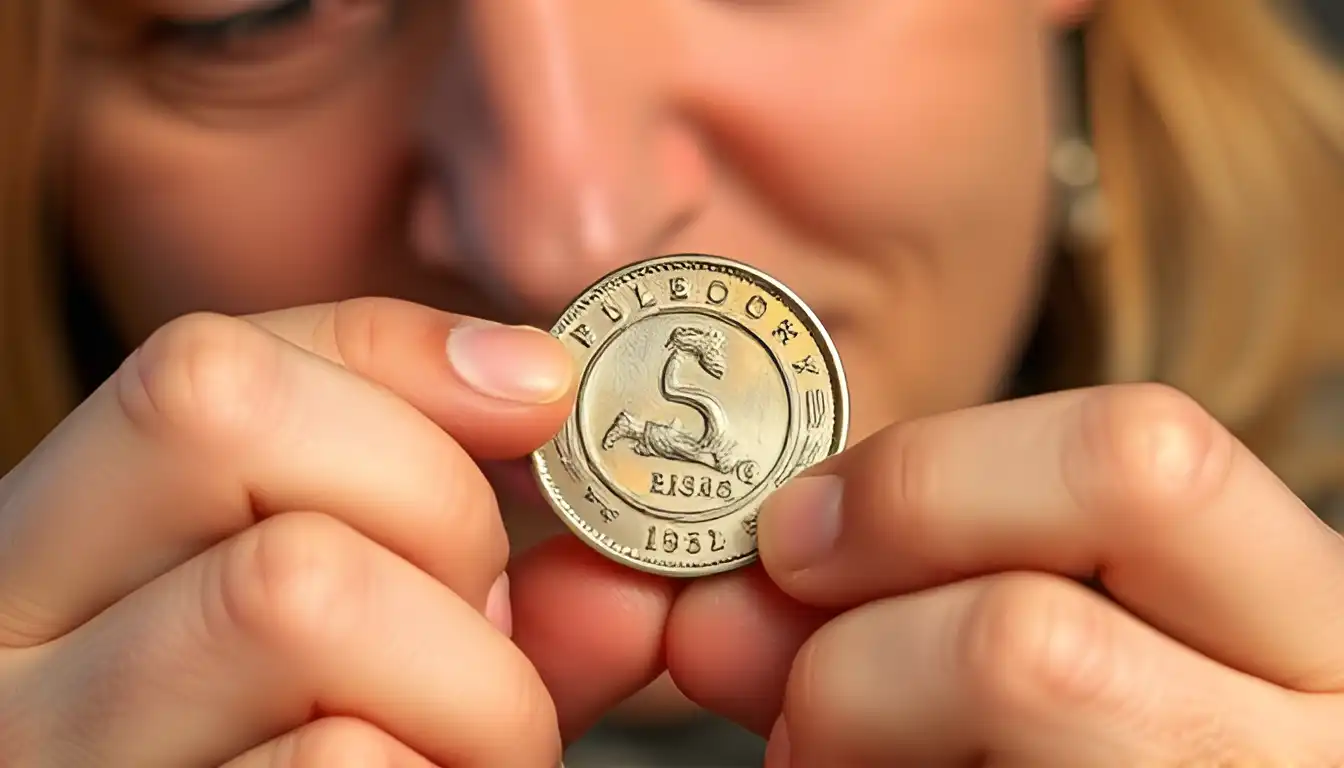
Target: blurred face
{"points": [[884, 159]]}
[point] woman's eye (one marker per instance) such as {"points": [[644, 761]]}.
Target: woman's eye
{"points": [[235, 35], [268, 53]]}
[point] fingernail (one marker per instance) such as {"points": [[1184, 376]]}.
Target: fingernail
{"points": [[507, 362], [777, 752], [800, 523], [498, 608]]}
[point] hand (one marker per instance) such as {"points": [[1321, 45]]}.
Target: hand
{"points": [[265, 542], [953, 550]]}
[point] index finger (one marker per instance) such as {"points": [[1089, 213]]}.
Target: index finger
{"points": [[216, 422], [1136, 486], [426, 357]]}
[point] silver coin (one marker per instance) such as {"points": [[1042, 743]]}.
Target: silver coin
{"points": [[705, 385]]}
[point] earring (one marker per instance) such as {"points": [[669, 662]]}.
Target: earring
{"points": [[1073, 166], [1073, 160]]}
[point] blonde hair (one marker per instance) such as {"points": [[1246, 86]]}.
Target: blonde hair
{"points": [[1219, 134], [1220, 138], [36, 387]]}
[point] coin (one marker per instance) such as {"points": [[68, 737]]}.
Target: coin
{"points": [[705, 385]]}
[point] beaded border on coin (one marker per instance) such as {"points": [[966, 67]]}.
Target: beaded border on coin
{"points": [[819, 417]]}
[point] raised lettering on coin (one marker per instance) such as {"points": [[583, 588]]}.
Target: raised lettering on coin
{"points": [[756, 307], [717, 293], [608, 514], [644, 297], [585, 335], [816, 408], [806, 365], [690, 410]]}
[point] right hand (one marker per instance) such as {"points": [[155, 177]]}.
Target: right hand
{"points": [[265, 542]]}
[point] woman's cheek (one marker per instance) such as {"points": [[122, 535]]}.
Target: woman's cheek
{"points": [[174, 216]]}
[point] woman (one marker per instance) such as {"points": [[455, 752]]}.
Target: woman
{"points": [[272, 536]]}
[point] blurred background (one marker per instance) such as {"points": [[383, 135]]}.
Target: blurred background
{"points": [[709, 742], [642, 735]]}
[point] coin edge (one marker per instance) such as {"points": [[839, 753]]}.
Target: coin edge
{"points": [[540, 465]]}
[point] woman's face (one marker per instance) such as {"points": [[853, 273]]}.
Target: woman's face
{"points": [[886, 160]]}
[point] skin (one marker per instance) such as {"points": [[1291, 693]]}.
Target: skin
{"points": [[587, 135], [697, 148], [279, 507]]}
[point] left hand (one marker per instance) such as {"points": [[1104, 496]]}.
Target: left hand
{"points": [[952, 560]]}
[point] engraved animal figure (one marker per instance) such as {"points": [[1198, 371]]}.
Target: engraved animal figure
{"points": [[712, 448]]}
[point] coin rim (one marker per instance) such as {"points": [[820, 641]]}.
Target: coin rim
{"points": [[541, 466]]}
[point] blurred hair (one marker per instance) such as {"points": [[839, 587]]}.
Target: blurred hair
{"points": [[36, 388], [1219, 133], [1219, 130]]}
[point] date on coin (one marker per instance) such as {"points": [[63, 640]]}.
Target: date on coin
{"points": [[705, 384]]}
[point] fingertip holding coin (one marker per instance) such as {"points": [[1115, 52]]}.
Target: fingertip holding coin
{"points": [[704, 385]]}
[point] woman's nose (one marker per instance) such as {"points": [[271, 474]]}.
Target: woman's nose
{"points": [[561, 149]]}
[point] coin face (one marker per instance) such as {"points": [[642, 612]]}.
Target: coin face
{"points": [[705, 384]]}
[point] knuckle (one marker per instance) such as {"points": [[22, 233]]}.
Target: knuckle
{"points": [[819, 701], [355, 327], [913, 480], [1032, 643], [511, 711], [469, 513], [1146, 446], [524, 706], [208, 378], [335, 742], [294, 582], [483, 534], [24, 621]]}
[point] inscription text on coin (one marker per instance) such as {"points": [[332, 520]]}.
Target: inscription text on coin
{"points": [[705, 385]]}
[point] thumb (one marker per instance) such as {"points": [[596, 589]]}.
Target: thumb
{"points": [[592, 628], [500, 391]]}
